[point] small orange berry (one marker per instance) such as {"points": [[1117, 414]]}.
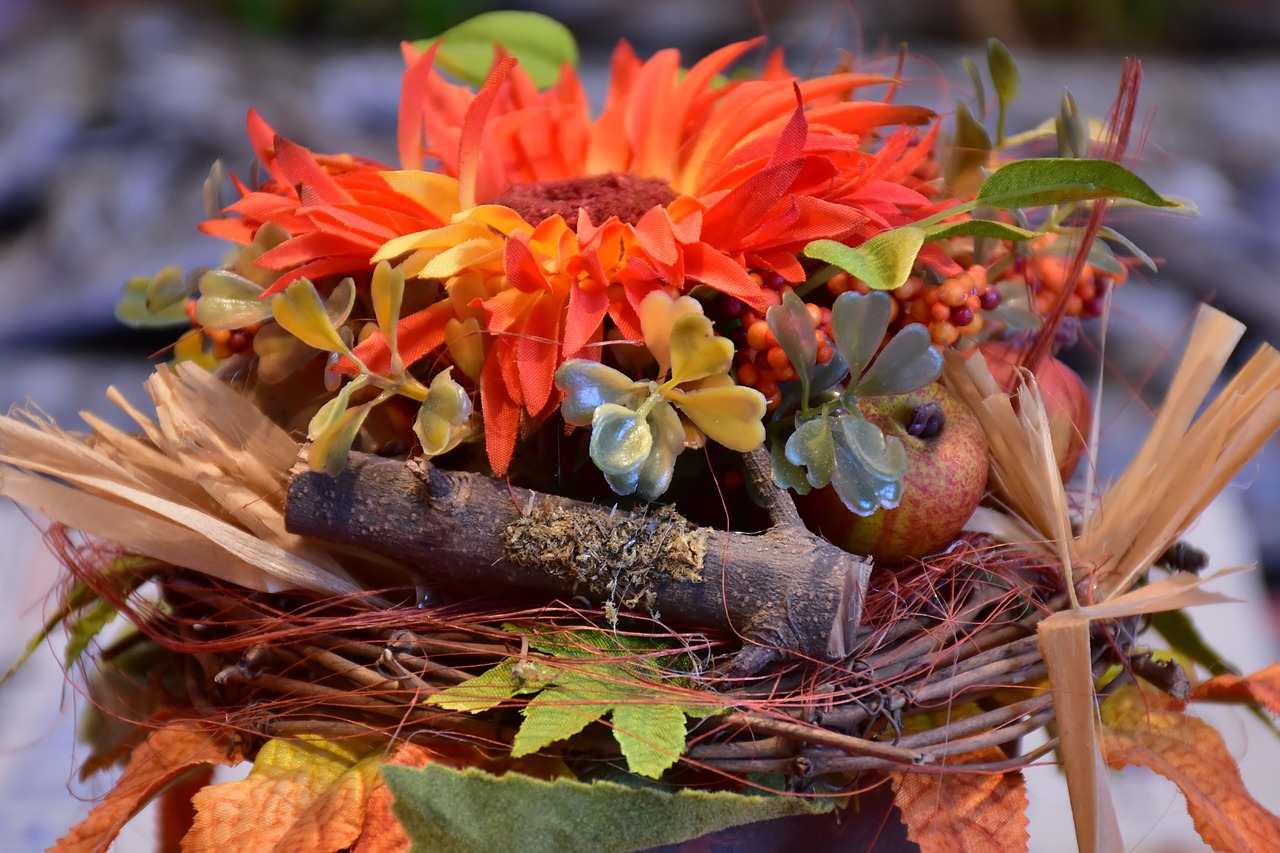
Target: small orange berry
{"points": [[748, 375], [954, 291], [944, 334], [778, 359], [940, 313], [760, 336], [815, 313]]}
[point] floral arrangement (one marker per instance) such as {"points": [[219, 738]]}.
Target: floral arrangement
{"points": [[602, 481]]}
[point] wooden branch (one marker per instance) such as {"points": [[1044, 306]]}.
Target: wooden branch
{"points": [[785, 591]]}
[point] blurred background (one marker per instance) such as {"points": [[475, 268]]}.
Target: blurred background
{"points": [[112, 112]]}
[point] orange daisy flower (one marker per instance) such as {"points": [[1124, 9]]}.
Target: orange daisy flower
{"points": [[542, 221]]}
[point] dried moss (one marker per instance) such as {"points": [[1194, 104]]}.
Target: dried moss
{"points": [[617, 557]]}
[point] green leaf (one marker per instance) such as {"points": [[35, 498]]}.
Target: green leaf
{"points": [[487, 690], [652, 737], [869, 468], [558, 713], [329, 450], [541, 44], [588, 385], [979, 228], [386, 290], [169, 288], [1183, 637], [1109, 233], [1059, 180], [132, 309], [87, 626], [812, 448], [858, 324], [654, 477], [329, 414], [884, 262], [787, 474], [230, 301], [620, 439], [1072, 130], [301, 311], [1005, 79], [794, 330], [970, 151], [445, 417], [470, 811], [975, 77], [909, 361]]}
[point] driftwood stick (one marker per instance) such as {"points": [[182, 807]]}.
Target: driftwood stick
{"points": [[784, 590]]}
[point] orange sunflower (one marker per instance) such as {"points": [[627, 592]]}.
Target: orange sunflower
{"points": [[547, 226]]}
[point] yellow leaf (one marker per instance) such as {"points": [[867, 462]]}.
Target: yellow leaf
{"points": [[303, 796], [163, 757], [964, 812], [730, 415], [696, 352], [387, 291], [658, 316], [302, 312], [1260, 688], [1149, 729]]}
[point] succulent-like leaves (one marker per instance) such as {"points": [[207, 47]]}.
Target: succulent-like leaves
{"points": [[386, 288], [812, 448], [587, 385], [230, 301], [869, 467], [301, 310], [620, 439], [794, 330], [858, 324], [909, 361], [658, 316], [329, 450], [696, 351], [444, 420]]}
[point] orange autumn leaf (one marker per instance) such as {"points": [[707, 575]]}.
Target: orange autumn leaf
{"points": [[302, 795], [964, 812], [382, 832], [1260, 688], [163, 757], [1149, 729]]}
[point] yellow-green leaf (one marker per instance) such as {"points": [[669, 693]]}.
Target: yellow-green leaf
{"points": [[884, 262], [730, 415], [541, 44], [230, 301], [387, 292], [444, 419], [696, 351], [301, 311], [620, 439], [1058, 180], [329, 450]]}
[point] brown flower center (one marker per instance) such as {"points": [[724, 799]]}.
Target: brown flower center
{"points": [[619, 194]]}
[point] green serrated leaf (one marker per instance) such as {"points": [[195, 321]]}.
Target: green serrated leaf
{"points": [[858, 324], [970, 151], [487, 690], [541, 44], [1005, 79], [812, 448], [884, 262], [1059, 180], [980, 228], [652, 737], [869, 467], [470, 811], [909, 361], [559, 713], [794, 330]]}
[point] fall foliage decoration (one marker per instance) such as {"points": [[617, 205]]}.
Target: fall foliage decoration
{"points": [[465, 510]]}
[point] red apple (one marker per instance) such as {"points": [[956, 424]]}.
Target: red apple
{"points": [[946, 476], [1066, 400]]}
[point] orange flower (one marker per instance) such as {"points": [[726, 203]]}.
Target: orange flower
{"points": [[542, 221]]}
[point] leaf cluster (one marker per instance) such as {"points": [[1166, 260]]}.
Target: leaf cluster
{"points": [[587, 676]]}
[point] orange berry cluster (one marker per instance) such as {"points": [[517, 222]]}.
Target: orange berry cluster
{"points": [[950, 309], [1046, 277], [760, 362]]}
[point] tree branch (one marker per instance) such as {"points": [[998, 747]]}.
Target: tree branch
{"points": [[785, 591]]}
